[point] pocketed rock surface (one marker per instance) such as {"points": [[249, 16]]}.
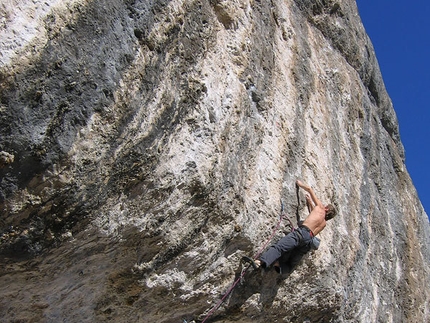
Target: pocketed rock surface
{"points": [[146, 146]]}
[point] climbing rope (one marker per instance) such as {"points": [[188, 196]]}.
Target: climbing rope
{"points": [[256, 256]]}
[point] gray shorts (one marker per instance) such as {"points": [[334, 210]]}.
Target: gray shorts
{"points": [[289, 250]]}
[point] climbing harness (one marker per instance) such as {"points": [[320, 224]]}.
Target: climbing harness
{"points": [[256, 256]]}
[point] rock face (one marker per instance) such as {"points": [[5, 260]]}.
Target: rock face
{"points": [[146, 146]]}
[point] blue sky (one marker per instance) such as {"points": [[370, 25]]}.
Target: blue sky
{"points": [[400, 33]]}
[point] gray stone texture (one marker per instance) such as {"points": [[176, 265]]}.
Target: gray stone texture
{"points": [[146, 146]]}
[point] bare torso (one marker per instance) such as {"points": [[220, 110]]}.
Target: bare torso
{"points": [[316, 220]]}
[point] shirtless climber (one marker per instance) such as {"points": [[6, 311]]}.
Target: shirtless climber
{"points": [[287, 252]]}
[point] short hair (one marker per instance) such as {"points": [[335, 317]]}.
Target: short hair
{"points": [[331, 212]]}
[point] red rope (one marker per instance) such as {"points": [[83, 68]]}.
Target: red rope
{"points": [[244, 270]]}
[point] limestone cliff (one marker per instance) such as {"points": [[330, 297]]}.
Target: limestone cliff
{"points": [[146, 146]]}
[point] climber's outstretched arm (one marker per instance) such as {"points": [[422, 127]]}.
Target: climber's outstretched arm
{"points": [[309, 203], [311, 192]]}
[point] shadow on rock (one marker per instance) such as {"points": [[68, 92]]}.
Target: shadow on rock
{"points": [[255, 292]]}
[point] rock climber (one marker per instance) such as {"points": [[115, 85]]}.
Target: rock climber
{"points": [[287, 252]]}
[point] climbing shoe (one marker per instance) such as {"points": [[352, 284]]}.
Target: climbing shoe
{"points": [[250, 261]]}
